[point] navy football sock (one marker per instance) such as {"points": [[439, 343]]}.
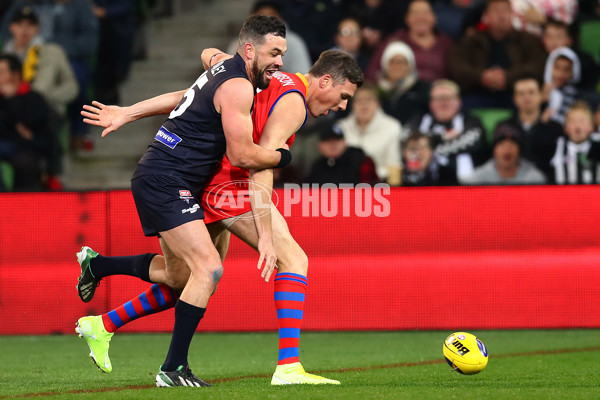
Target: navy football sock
{"points": [[187, 318], [138, 266]]}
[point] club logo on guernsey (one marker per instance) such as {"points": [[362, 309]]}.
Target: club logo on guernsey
{"points": [[167, 138]]}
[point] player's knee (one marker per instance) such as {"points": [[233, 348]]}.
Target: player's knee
{"points": [[209, 275], [216, 274], [297, 264]]}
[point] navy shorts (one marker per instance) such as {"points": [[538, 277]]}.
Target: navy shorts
{"points": [[164, 202]]}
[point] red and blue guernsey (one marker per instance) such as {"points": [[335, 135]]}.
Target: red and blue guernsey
{"points": [[191, 141], [226, 193]]}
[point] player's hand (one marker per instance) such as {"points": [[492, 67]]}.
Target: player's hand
{"points": [[267, 257], [109, 117]]}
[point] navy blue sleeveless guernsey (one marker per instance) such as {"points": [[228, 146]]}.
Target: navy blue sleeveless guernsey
{"points": [[191, 142]]}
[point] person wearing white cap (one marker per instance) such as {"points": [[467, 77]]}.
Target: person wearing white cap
{"points": [[403, 94]]}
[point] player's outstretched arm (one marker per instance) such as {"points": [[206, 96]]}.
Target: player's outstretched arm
{"points": [[112, 118], [233, 100], [285, 119]]}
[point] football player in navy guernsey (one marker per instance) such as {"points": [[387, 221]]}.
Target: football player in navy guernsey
{"points": [[278, 112], [212, 118]]}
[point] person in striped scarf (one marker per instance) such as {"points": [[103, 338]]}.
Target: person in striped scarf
{"points": [[577, 157]]}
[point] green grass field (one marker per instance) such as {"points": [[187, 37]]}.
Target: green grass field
{"points": [[523, 364]]}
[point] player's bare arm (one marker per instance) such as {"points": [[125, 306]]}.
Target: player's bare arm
{"points": [[112, 118], [286, 118], [212, 56], [233, 100]]}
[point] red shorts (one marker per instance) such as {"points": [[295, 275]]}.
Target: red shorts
{"points": [[226, 194]]}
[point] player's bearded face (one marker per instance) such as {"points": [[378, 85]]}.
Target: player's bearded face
{"points": [[267, 60], [262, 76]]}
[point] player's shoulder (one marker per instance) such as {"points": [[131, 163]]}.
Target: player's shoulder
{"points": [[227, 69], [285, 80]]}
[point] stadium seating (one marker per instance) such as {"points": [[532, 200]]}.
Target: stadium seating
{"points": [[7, 175], [490, 118], [588, 38]]}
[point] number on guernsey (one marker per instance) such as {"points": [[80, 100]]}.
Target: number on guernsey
{"points": [[188, 97]]}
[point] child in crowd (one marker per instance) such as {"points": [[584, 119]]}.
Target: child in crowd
{"points": [[577, 156], [558, 34], [421, 166], [562, 73]]}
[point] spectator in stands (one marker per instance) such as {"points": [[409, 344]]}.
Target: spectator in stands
{"points": [[379, 18], [531, 15], [486, 64], [453, 14], [76, 30], [557, 34], [403, 94], [506, 167], [349, 39], [538, 138], [45, 65], [115, 50], [577, 157], [560, 77], [458, 139], [25, 126], [421, 166], [597, 118], [373, 131], [304, 151], [4, 6], [340, 163], [72, 25], [297, 57], [429, 47], [315, 21]]}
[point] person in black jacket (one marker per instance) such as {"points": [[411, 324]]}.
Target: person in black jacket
{"points": [[340, 163], [25, 126], [538, 137], [458, 139]]}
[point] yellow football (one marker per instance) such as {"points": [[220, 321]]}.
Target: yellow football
{"points": [[465, 353]]}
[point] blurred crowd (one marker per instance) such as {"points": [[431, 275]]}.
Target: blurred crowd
{"points": [[56, 55], [457, 92]]}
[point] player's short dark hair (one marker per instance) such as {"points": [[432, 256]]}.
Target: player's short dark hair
{"points": [[256, 27], [340, 65], [14, 64]]}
